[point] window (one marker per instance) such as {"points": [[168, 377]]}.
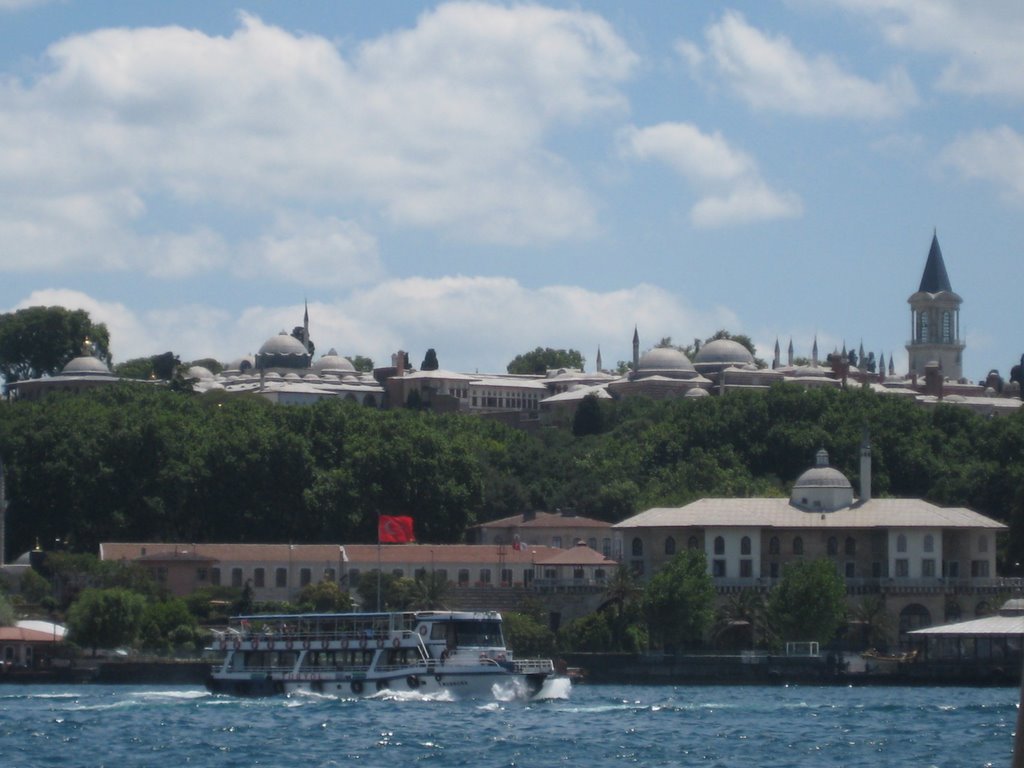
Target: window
{"points": [[901, 543], [599, 574], [638, 548], [397, 572], [718, 569], [463, 577], [236, 577], [670, 546], [979, 569], [719, 545], [556, 542], [506, 577], [441, 574], [923, 326], [550, 573], [353, 578], [851, 570], [798, 545], [746, 569], [929, 543], [201, 574], [773, 570], [850, 546], [577, 573], [693, 543], [928, 568], [592, 543], [876, 570], [485, 575], [606, 547], [833, 546], [329, 574], [215, 576], [902, 568], [259, 577], [947, 327], [952, 569], [773, 545], [281, 577], [745, 545], [305, 576]]}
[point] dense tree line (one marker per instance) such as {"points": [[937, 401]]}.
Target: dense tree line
{"points": [[139, 463]]}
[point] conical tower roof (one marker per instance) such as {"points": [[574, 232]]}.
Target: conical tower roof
{"points": [[935, 279]]}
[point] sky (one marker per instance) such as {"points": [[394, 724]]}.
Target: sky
{"points": [[485, 178]]}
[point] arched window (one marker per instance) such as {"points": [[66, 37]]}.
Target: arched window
{"points": [[773, 545], [901, 543], [850, 546], [638, 547], [947, 327], [923, 326], [914, 616], [693, 543], [929, 543], [719, 545], [745, 545], [798, 545], [833, 545], [670, 546]]}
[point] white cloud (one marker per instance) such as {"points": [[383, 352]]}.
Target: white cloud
{"points": [[770, 73], [728, 180], [982, 41], [445, 125], [996, 156]]}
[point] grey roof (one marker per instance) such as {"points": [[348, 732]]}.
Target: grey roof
{"points": [[987, 625], [935, 279], [724, 351], [779, 513]]}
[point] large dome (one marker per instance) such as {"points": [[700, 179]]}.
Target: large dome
{"points": [[86, 365], [283, 344], [724, 351], [665, 360], [821, 475], [822, 487]]}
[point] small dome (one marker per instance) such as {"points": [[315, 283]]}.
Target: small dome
{"points": [[282, 344], [332, 362], [662, 359], [822, 475], [199, 372], [697, 392], [724, 351], [87, 365], [240, 365]]}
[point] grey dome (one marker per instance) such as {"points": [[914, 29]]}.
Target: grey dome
{"points": [[697, 392], [661, 359], [822, 475], [332, 362], [199, 372], [282, 344], [86, 365], [724, 351]]}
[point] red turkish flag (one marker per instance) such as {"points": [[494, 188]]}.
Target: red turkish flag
{"points": [[395, 529]]}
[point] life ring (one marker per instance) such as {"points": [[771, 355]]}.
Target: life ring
{"points": [[413, 681], [238, 643], [357, 686], [289, 643], [396, 642], [255, 643], [305, 643], [423, 630], [438, 678], [444, 655], [362, 642], [344, 644], [380, 642], [223, 643], [270, 643], [324, 643]]}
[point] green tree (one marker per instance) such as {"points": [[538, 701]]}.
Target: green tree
{"points": [[588, 634], [361, 363], [7, 618], [589, 417], [106, 618], [679, 600], [429, 592], [873, 621], [39, 341], [526, 636], [429, 361], [808, 603], [298, 332], [543, 359], [324, 597]]}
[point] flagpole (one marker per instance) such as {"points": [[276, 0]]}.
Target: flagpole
{"points": [[379, 566]]}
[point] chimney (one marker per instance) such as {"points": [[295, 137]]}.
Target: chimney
{"points": [[865, 467]]}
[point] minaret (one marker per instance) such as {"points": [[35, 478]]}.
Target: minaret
{"points": [[775, 360], [789, 355], [598, 367], [935, 320], [865, 467], [814, 352], [636, 351], [305, 326]]}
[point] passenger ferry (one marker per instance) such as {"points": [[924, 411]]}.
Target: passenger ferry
{"points": [[361, 654]]}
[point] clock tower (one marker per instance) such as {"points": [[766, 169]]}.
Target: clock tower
{"points": [[935, 320]]}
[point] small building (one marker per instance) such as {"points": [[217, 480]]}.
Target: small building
{"points": [[559, 530]]}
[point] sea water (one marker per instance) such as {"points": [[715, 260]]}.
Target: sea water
{"points": [[591, 726]]}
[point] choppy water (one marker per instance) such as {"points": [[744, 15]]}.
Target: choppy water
{"points": [[595, 726]]}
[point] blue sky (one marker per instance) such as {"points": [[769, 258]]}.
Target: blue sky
{"points": [[485, 178]]}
